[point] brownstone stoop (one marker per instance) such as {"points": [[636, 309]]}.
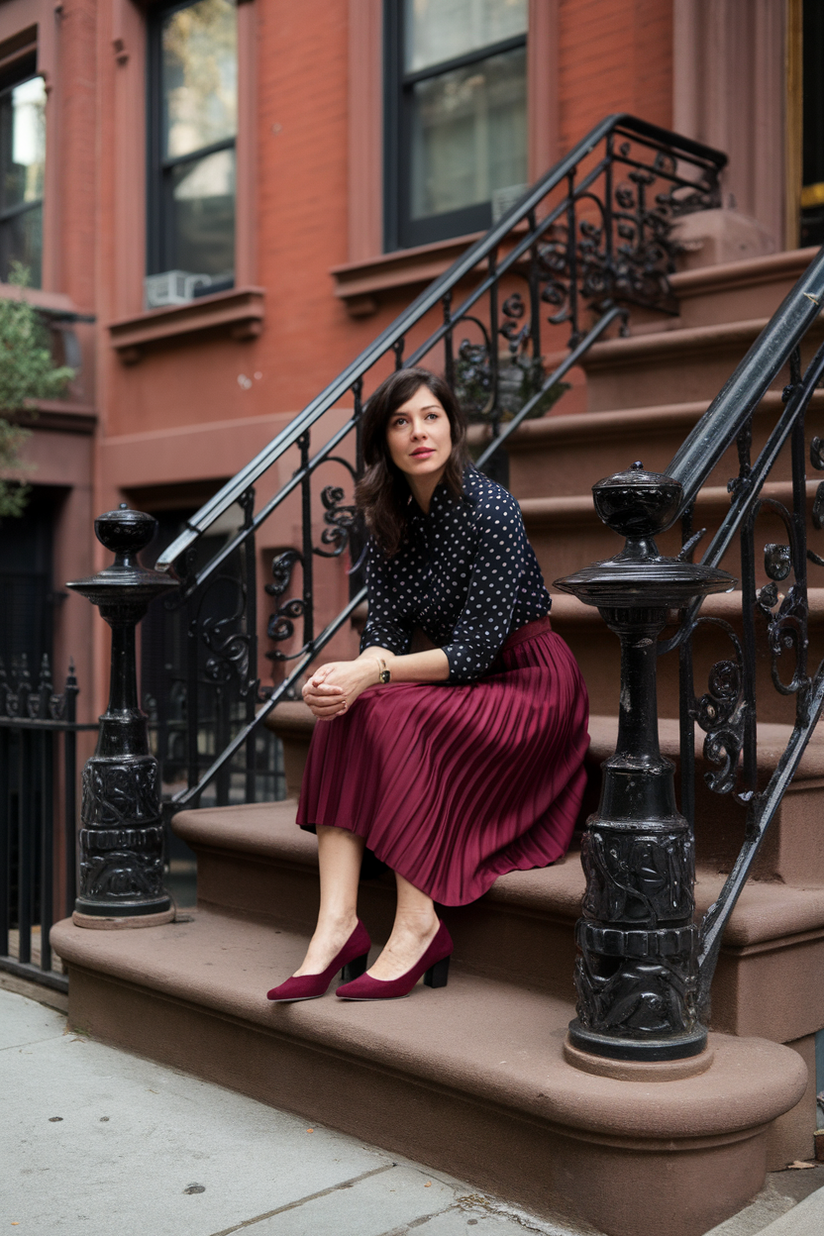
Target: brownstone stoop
{"points": [[476, 1078]]}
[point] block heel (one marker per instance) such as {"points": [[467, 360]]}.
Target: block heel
{"points": [[434, 966], [354, 969], [437, 975]]}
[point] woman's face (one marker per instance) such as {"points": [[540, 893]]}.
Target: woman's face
{"points": [[419, 436]]}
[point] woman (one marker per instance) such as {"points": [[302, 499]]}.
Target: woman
{"points": [[455, 764]]}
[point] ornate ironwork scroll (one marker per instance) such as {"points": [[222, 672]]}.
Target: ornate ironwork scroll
{"points": [[340, 519]]}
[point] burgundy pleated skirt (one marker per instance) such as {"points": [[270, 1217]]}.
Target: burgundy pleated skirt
{"points": [[453, 786]]}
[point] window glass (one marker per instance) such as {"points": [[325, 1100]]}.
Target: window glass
{"points": [[204, 214], [193, 109], [468, 134], [22, 167], [199, 70], [21, 240], [439, 30]]}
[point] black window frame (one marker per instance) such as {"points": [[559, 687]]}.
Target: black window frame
{"points": [[160, 170], [400, 230], [19, 71]]}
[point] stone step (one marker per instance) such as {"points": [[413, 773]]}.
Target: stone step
{"points": [[563, 456], [254, 860], [737, 291], [598, 653], [642, 370], [567, 534], [474, 1078]]}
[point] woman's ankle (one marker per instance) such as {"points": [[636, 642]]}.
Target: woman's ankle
{"points": [[336, 922], [416, 924]]}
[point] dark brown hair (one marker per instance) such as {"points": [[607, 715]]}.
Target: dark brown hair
{"points": [[383, 493]]}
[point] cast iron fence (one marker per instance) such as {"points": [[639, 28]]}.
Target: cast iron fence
{"points": [[593, 236], [38, 816]]}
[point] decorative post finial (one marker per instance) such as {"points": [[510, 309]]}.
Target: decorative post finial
{"points": [[121, 839], [636, 973]]}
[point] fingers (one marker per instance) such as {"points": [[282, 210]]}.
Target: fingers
{"points": [[322, 690], [327, 712]]}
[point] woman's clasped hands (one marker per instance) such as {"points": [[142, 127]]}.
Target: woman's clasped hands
{"points": [[333, 688]]}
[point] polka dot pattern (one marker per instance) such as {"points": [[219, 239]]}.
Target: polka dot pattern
{"points": [[466, 576]]}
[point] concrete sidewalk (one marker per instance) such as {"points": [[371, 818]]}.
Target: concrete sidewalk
{"points": [[96, 1142]]}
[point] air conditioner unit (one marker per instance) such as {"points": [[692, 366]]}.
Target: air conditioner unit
{"points": [[173, 287]]}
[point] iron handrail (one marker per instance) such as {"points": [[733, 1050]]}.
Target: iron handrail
{"points": [[620, 123], [747, 493], [730, 410]]}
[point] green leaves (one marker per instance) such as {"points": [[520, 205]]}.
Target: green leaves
{"points": [[27, 374]]}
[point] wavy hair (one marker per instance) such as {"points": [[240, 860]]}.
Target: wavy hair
{"points": [[382, 493]]}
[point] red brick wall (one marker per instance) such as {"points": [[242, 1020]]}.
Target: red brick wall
{"points": [[614, 56], [78, 186]]}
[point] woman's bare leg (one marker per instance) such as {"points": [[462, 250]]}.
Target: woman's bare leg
{"points": [[414, 929], [339, 855]]}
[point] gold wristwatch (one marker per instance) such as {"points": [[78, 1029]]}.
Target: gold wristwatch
{"points": [[383, 672]]}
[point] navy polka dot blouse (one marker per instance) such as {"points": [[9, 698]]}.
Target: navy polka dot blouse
{"points": [[466, 576]]}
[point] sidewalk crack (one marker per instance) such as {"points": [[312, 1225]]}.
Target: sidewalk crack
{"points": [[32, 1043], [279, 1210]]}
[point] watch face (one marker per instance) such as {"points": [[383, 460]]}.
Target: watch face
{"points": [[385, 676]]}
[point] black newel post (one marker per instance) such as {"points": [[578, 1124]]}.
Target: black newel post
{"points": [[121, 838], [636, 973]]}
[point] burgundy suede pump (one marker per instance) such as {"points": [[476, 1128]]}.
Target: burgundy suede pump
{"points": [[351, 960], [434, 966]]}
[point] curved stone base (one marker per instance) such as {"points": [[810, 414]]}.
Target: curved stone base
{"points": [[100, 923], [638, 1070], [651, 1051]]}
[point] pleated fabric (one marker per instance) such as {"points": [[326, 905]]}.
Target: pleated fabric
{"points": [[453, 786]]}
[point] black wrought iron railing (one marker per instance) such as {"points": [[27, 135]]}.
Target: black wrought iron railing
{"points": [[645, 967], [592, 237], [38, 816]]}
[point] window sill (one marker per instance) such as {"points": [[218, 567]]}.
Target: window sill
{"points": [[240, 311], [359, 284], [56, 303], [57, 415]]}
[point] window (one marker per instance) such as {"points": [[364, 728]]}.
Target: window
{"points": [[22, 166], [192, 132], [455, 115]]}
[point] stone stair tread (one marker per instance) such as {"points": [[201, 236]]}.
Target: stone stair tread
{"points": [[563, 429], [773, 737], [578, 428], [670, 342], [487, 1039], [766, 911], [713, 499], [743, 272]]}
